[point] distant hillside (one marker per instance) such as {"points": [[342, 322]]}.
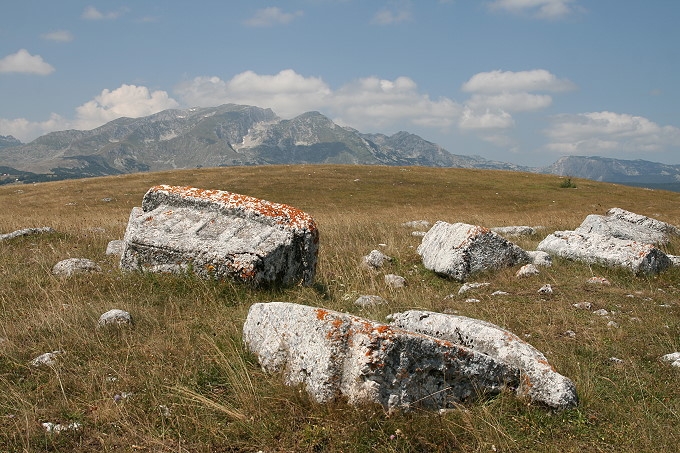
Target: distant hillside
{"points": [[228, 135], [640, 173], [235, 135]]}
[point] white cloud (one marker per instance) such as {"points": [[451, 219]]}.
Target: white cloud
{"points": [[605, 133], [540, 9], [24, 62], [496, 94], [268, 17], [509, 81], [515, 102], [92, 13], [365, 103], [26, 130], [487, 119], [127, 100], [389, 17], [59, 36]]}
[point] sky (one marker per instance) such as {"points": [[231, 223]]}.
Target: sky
{"points": [[521, 81]]}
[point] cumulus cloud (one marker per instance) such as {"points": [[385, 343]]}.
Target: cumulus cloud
{"points": [[540, 9], [26, 130], [127, 100], [268, 17], [367, 102], [496, 94], [58, 36], [92, 13], [389, 17], [25, 63], [509, 81], [602, 133]]}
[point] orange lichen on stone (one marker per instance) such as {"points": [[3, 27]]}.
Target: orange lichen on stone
{"points": [[280, 213], [321, 314]]}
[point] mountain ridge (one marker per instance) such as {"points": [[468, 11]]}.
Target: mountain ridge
{"points": [[232, 135]]}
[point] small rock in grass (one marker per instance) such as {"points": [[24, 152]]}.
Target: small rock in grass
{"points": [[545, 289], [47, 359], [369, 301], [499, 293], [395, 281], [115, 317], [376, 259], [601, 312], [599, 281], [527, 271], [468, 286], [673, 358], [583, 305], [72, 266]]}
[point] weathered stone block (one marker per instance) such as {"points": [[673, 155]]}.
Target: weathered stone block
{"points": [[218, 234], [334, 354], [539, 380], [459, 250], [595, 248], [623, 224]]}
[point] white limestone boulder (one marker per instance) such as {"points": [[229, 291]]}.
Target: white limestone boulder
{"points": [[218, 234], [539, 380], [115, 317], [459, 250], [334, 355], [623, 224], [594, 248], [26, 232]]}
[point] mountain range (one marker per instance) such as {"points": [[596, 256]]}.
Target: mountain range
{"points": [[231, 135]]}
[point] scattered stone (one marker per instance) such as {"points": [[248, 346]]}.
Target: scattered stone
{"points": [[58, 427], [599, 281], [115, 317], [459, 250], [419, 234], [627, 225], [334, 354], [424, 224], [107, 199], [376, 259], [673, 358], [395, 281], [71, 266], [46, 359], [468, 286], [584, 305], [527, 270], [115, 247], [521, 230], [675, 260], [545, 289], [570, 334], [472, 300], [499, 293], [540, 382], [539, 258], [25, 232], [616, 360], [613, 324], [369, 301], [601, 312], [164, 410], [594, 248], [217, 234]]}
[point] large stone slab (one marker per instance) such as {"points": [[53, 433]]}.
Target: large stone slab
{"points": [[539, 380], [218, 234], [593, 248], [334, 355], [459, 250], [624, 224]]}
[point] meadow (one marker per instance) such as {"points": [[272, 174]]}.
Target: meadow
{"points": [[180, 379]]}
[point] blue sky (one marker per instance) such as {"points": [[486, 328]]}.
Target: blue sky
{"points": [[523, 81]]}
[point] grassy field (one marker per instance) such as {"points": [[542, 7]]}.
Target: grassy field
{"points": [[180, 380]]}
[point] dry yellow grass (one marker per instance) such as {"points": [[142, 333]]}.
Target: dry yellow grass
{"points": [[180, 380]]}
